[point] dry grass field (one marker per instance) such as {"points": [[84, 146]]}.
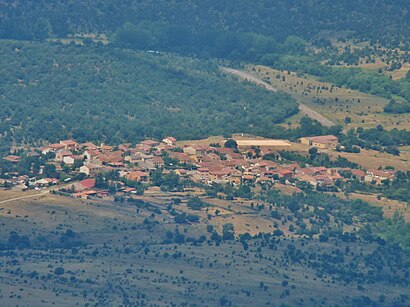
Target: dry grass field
{"points": [[242, 140]]}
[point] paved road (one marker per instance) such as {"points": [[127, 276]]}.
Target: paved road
{"points": [[314, 115], [302, 107], [248, 77]]}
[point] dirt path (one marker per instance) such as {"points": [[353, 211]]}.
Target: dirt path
{"points": [[302, 108], [24, 197], [44, 192]]}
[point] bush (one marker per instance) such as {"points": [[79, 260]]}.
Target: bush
{"points": [[59, 271]]}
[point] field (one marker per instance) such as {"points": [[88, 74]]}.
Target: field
{"points": [[330, 101], [117, 254]]}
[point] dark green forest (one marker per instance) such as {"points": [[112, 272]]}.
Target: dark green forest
{"points": [[383, 20], [101, 93], [274, 33]]}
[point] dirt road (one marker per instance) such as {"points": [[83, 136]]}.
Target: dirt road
{"points": [[40, 193], [24, 197], [302, 107]]}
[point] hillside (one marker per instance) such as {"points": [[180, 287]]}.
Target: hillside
{"points": [[56, 250], [50, 92]]}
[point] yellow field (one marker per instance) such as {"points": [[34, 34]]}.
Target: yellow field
{"points": [[241, 139]]}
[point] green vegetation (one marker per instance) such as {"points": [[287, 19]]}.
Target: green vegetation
{"points": [[383, 20], [376, 138], [325, 206], [395, 230], [399, 188], [105, 94]]}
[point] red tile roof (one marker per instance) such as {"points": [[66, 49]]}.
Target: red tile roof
{"points": [[87, 183]]}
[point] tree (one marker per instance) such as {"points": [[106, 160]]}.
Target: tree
{"points": [[181, 218], [195, 203], [228, 232], [59, 271], [231, 144], [313, 152], [132, 36], [156, 177], [171, 182]]}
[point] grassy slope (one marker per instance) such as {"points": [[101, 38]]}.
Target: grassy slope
{"points": [[365, 110]]}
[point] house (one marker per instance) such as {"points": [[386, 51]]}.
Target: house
{"points": [[378, 175], [89, 145], [313, 171], [181, 172], [93, 170], [322, 142], [150, 143], [45, 182], [69, 144], [248, 178], [195, 150], [223, 150], [307, 178], [284, 173], [85, 185], [53, 148], [70, 160], [62, 153], [143, 148], [158, 161], [85, 194], [138, 157], [138, 176], [147, 165], [111, 157], [12, 159], [220, 174], [104, 147], [359, 174], [323, 181], [91, 155], [170, 141], [181, 157]]}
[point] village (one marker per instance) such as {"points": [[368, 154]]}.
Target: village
{"points": [[78, 169]]}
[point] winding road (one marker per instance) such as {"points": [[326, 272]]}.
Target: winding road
{"points": [[302, 107]]}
